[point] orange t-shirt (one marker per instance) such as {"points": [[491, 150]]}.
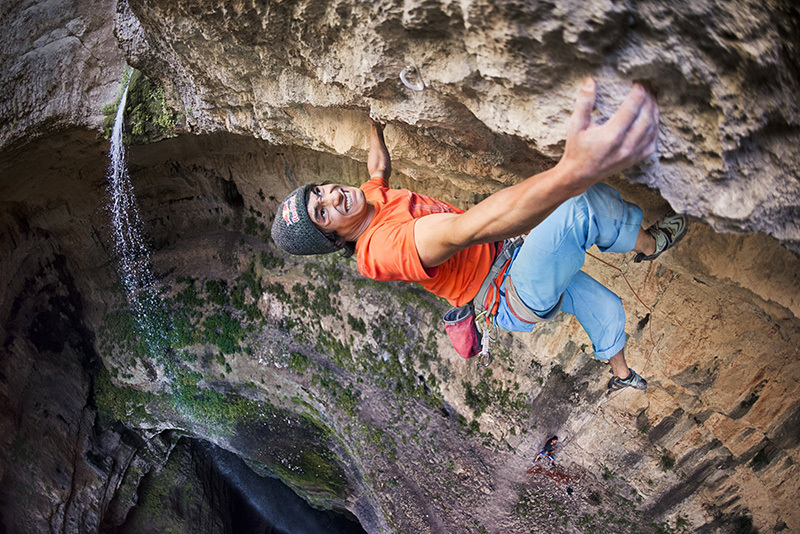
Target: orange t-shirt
{"points": [[387, 250]]}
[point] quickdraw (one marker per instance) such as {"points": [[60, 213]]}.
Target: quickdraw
{"points": [[485, 355], [488, 298]]}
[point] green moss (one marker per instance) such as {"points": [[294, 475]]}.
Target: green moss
{"points": [[299, 362], [218, 411], [252, 225], [528, 505], [322, 303], [312, 469], [148, 116], [270, 261], [250, 279], [607, 473], [357, 324], [217, 291], [238, 296], [301, 298], [490, 392], [276, 290], [315, 469], [406, 294], [340, 352], [393, 369], [223, 330], [122, 403], [344, 397], [120, 332], [377, 437], [327, 273]]}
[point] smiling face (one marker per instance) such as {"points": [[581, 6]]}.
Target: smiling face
{"points": [[341, 209]]}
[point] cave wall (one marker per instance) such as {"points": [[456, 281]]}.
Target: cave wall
{"points": [[720, 395], [285, 90], [501, 80], [61, 63]]}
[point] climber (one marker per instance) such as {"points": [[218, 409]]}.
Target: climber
{"points": [[402, 235], [549, 451]]}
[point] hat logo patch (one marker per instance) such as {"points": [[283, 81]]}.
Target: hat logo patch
{"points": [[290, 211]]}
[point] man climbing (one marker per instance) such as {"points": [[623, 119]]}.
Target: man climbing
{"points": [[402, 235], [549, 450]]}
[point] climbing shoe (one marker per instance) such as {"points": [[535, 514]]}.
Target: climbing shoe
{"points": [[633, 381], [666, 231]]}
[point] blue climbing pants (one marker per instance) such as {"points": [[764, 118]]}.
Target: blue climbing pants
{"points": [[549, 265]]}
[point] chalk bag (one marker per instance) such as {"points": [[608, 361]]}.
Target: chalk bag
{"points": [[459, 323]]}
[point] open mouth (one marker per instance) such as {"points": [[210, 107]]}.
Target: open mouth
{"points": [[348, 202]]}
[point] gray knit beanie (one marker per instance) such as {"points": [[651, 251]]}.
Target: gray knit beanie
{"points": [[293, 231]]}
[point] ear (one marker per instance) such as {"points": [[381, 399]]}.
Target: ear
{"points": [[338, 241]]}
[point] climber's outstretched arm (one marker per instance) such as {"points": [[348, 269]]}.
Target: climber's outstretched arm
{"points": [[378, 161], [592, 152]]}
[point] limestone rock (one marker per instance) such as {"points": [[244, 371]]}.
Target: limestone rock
{"points": [[278, 94], [60, 65], [501, 78]]}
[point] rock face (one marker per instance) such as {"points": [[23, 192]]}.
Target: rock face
{"points": [[60, 64], [348, 390], [501, 79]]}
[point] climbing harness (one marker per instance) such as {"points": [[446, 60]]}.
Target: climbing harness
{"points": [[462, 323], [490, 294], [412, 70]]}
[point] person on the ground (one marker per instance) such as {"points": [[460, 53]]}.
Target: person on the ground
{"points": [[401, 235], [549, 450]]}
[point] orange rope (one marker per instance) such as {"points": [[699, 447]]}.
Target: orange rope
{"points": [[624, 278], [605, 399], [648, 308]]}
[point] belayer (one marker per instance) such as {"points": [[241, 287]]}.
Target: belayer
{"points": [[397, 234], [549, 450]]}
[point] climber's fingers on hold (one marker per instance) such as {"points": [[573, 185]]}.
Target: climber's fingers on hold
{"points": [[581, 117]]}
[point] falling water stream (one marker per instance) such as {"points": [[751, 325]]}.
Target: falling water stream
{"points": [[133, 253], [269, 499]]}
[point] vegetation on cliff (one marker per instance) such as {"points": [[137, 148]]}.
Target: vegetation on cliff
{"points": [[148, 115]]}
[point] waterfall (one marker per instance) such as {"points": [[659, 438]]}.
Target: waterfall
{"points": [[130, 247]]}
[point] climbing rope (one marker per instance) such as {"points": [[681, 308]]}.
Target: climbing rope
{"points": [[612, 394], [650, 310]]}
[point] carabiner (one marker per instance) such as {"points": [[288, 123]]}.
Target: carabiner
{"points": [[485, 356]]}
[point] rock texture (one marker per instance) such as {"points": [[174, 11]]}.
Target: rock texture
{"points": [[60, 62], [501, 79], [349, 390]]}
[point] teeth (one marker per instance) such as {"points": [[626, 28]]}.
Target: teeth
{"points": [[346, 201]]}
